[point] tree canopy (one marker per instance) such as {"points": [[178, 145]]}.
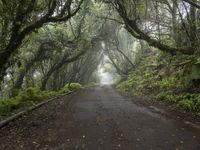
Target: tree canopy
{"points": [[51, 43]]}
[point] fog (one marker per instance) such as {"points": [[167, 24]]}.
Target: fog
{"points": [[106, 78]]}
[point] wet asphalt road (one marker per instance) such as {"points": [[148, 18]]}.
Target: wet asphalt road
{"points": [[97, 118]]}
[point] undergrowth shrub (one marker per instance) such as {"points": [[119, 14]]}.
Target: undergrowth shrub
{"points": [[191, 102], [25, 98], [31, 96], [165, 79], [188, 101], [8, 105], [73, 86], [64, 90], [188, 105], [172, 98], [127, 85], [166, 83]]}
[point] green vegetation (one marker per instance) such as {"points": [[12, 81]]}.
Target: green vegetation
{"points": [[30, 97], [149, 47], [73, 86], [42, 50], [70, 87], [175, 85]]}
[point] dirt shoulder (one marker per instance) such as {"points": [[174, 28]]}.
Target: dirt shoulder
{"points": [[163, 107]]}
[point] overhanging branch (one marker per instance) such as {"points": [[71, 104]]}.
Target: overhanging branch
{"points": [[192, 3], [132, 27]]}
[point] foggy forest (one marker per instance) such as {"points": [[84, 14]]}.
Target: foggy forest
{"points": [[100, 74]]}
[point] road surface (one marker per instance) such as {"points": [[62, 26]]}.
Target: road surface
{"points": [[97, 118]]}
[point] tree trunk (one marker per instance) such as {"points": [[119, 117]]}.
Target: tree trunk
{"points": [[193, 25]]}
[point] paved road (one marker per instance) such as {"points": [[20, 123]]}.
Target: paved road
{"points": [[97, 119]]}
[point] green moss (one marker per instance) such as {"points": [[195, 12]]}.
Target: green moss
{"points": [[8, 105], [73, 86], [70, 87], [24, 99], [64, 90]]}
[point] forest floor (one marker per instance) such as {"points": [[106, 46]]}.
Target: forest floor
{"points": [[98, 118]]}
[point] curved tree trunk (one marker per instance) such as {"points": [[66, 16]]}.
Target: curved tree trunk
{"points": [[135, 31], [19, 31], [57, 66]]}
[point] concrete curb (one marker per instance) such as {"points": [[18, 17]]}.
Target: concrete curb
{"points": [[19, 114]]}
